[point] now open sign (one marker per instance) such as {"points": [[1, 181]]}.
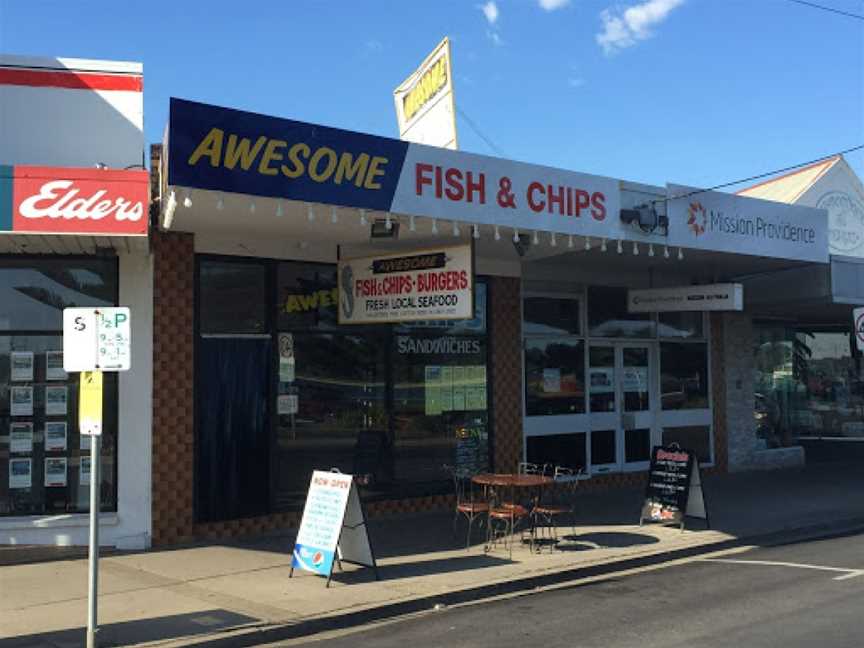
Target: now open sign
{"points": [[97, 339]]}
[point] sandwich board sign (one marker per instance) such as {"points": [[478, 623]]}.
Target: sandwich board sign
{"points": [[333, 527], [674, 489]]}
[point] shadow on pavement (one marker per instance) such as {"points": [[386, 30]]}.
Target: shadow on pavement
{"points": [[606, 540], [137, 632], [419, 568]]}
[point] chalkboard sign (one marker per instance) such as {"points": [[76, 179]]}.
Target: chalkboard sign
{"points": [[674, 487], [472, 451]]}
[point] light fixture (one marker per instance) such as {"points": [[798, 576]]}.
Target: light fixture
{"points": [[434, 226], [476, 231], [220, 204], [363, 220], [536, 239], [456, 231], [515, 235], [170, 208], [334, 217], [279, 210], [412, 226], [310, 213], [635, 248], [665, 251], [387, 222], [680, 254], [620, 247], [187, 199], [570, 241], [650, 249], [252, 207], [380, 230], [497, 234], [552, 240], [587, 243], [603, 245]]}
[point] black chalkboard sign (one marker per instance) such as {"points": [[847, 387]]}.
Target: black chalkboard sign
{"points": [[667, 494], [472, 451]]}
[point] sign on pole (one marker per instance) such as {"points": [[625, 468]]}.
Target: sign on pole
{"points": [[858, 324], [674, 489], [333, 527], [94, 340], [431, 284]]}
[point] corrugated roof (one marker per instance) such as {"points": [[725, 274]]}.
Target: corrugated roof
{"points": [[790, 186]]}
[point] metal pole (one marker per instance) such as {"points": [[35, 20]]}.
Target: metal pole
{"points": [[93, 575]]}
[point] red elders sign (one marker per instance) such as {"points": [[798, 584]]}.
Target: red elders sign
{"points": [[55, 200]]}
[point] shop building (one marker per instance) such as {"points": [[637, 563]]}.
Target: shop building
{"points": [[74, 202], [256, 382]]}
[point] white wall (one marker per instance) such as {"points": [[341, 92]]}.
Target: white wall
{"points": [[131, 526]]}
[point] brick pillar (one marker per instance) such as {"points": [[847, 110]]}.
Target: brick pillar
{"points": [[173, 370], [505, 335]]}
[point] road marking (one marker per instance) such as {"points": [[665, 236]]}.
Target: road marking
{"points": [[847, 573]]}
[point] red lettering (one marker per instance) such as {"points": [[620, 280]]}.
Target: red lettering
{"points": [[532, 188], [555, 198], [479, 187], [582, 200], [420, 177], [454, 190], [437, 182], [598, 202]]}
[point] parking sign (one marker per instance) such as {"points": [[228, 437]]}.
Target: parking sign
{"points": [[96, 339]]}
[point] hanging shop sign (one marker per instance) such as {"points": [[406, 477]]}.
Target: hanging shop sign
{"points": [[221, 149], [711, 297], [716, 221], [425, 108], [429, 284], [54, 200]]}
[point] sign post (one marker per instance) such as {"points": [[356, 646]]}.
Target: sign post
{"points": [[94, 340]]}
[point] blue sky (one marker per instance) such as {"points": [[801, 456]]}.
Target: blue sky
{"points": [[696, 92]]}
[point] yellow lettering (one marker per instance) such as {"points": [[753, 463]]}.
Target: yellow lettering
{"points": [[322, 176], [241, 151], [349, 168], [324, 298], [309, 301], [334, 296], [210, 146], [293, 157], [270, 155], [292, 304], [427, 87], [374, 172]]}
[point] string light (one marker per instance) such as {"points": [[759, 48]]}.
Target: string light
{"points": [[170, 208], [635, 249], [220, 204], [476, 231], [603, 245], [279, 211], [680, 254], [650, 249], [552, 240], [570, 241], [497, 234], [334, 217], [515, 235], [252, 207], [665, 251], [455, 228], [388, 224], [187, 199], [536, 239], [434, 226], [587, 243], [310, 213], [412, 226], [620, 247], [363, 220]]}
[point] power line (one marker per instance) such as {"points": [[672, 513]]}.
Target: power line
{"points": [[824, 8], [479, 134], [768, 174]]}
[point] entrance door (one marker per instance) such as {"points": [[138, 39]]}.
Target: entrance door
{"points": [[621, 404]]}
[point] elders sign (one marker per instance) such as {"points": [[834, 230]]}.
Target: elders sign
{"points": [[432, 284]]}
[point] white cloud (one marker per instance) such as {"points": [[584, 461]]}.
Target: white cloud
{"points": [[552, 5], [490, 10], [625, 29]]}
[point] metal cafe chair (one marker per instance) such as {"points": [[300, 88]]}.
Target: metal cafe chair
{"points": [[502, 523], [545, 515], [467, 504]]}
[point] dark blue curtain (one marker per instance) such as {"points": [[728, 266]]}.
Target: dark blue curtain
{"points": [[233, 400]]}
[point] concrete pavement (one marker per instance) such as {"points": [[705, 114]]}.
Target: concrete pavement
{"points": [[240, 594]]}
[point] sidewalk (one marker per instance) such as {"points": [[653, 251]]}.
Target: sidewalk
{"points": [[240, 594]]}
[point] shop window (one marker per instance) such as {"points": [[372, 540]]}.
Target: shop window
{"points": [[696, 438], [687, 325], [683, 375], [603, 447], [233, 297], [550, 316], [601, 377], [637, 445], [608, 316], [307, 296], [566, 450], [554, 376], [33, 293], [44, 461]]}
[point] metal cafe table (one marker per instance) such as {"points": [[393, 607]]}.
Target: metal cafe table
{"points": [[508, 510]]}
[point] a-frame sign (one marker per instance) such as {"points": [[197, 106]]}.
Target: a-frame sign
{"points": [[674, 489], [333, 528]]}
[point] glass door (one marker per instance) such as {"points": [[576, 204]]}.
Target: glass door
{"points": [[621, 403]]}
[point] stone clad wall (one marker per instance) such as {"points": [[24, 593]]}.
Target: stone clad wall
{"points": [[505, 368]]}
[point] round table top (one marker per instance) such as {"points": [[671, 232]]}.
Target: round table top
{"points": [[511, 479]]}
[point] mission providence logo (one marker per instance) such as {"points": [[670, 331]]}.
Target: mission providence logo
{"points": [[697, 218]]}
